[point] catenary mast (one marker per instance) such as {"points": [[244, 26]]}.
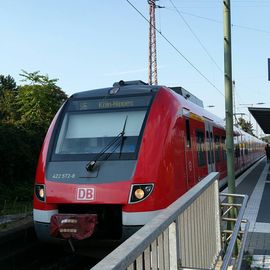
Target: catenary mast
{"points": [[152, 63]]}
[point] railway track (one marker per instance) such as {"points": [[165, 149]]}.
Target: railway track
{"points": [[20, 250]]}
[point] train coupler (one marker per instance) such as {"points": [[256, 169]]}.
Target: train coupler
{"points": [[73, 226]]}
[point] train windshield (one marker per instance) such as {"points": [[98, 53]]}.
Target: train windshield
{"points": [[89, 127]]}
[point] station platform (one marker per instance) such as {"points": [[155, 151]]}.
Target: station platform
{"points": [[255, 182]]}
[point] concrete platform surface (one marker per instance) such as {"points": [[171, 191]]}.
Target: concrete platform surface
{"points": [[256, 184]]}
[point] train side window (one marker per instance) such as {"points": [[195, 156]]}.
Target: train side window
{"points": [[246, 148], [200, 148], [188, 140], [208, 147], [217, 148], [242, 149], [223, 142], [211, 148], [237, 151]]}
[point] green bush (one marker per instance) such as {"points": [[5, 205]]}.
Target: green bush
{"points": [[25, 114]]}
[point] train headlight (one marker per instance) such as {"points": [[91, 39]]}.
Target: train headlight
{"points": [[40, 192], [140, 192]]}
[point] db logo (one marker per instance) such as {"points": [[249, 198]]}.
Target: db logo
{"points": [[85, 194]]}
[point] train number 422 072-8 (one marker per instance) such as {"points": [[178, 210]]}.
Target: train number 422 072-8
{"points": [[63, 175]]}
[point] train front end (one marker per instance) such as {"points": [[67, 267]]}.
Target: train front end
{"points": [[85, 174]]}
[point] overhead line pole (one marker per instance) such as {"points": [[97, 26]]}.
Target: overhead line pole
{"points": [[229, 112], [152, 62], [228, 97]]}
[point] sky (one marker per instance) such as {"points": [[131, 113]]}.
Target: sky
{"points": [[89, 44]]}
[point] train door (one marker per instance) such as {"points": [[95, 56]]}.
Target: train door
{"points": [[190, 170], [210, 147]]}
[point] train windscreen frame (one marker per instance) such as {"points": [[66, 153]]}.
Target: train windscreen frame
{"points": [[89, 125]]}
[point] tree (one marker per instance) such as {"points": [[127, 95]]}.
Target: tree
{"points": [[8, 110], [266, 139], [36, 78], [25, 115], [8, 93], [16, 156], [7, 83], [39, 100], [246, 126]]}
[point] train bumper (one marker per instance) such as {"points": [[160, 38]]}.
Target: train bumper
{"points": [[43, 234], [113, 222], [138, 218]]}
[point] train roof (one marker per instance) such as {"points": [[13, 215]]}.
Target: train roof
{"points": [[139, 87], [187, 95], [197, 109], [121, 87], [188, 101]]}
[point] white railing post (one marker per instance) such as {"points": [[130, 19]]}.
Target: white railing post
{"points": [[181, 236], [200, 239]]}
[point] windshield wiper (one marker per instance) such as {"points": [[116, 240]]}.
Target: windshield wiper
{"points": [[90, 166], [122, 137]]}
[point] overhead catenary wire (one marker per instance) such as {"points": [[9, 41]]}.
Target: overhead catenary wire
{"points": [[174, 47], [220, 22], [237, 4], [196, 37], [251, 28]]}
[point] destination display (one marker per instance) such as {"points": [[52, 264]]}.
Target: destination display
{"points": [[110, 103]]}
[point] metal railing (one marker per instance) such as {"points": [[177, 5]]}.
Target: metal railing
{"points": [[186, 235], [234, 239]]}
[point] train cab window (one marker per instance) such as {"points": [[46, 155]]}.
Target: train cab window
{"points": [[97, 126], [188, 140], [200, 148]]}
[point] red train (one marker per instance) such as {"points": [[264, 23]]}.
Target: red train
{"points": [[113, 158]]}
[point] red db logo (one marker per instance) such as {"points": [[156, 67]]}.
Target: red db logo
{"points": [[85, 194]]}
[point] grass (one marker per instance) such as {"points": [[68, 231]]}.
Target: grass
{"points": [[15, 207], [15, 198]]}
